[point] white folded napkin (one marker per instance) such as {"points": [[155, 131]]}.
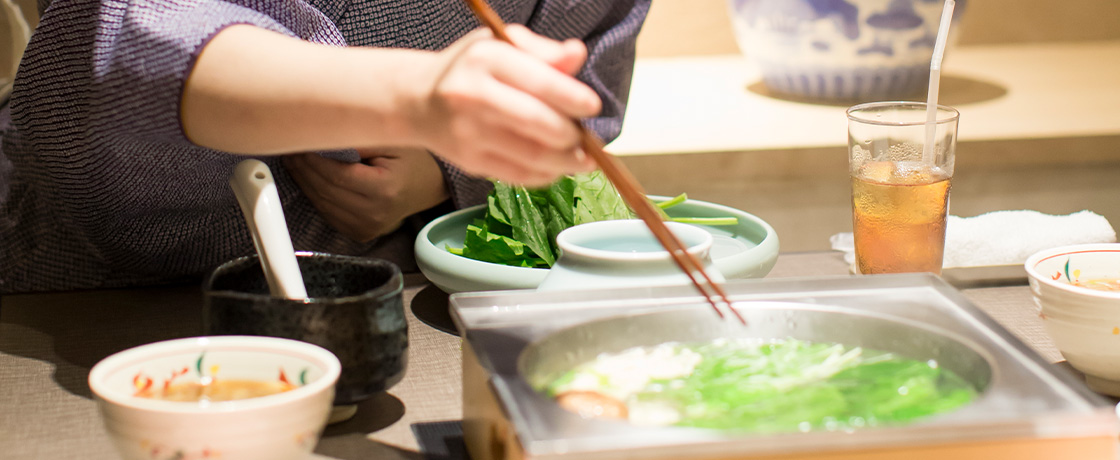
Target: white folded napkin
{"points": [[1007, 237]]}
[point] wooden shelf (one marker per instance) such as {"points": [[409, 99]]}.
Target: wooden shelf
{"points": [[707, 104]]}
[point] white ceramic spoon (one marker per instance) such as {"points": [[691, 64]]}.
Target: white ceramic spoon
{"points": [[256, 193]]}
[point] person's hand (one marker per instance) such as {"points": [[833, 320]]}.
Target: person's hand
{"points": [[493, 109], [369, 199], [507, 112]]}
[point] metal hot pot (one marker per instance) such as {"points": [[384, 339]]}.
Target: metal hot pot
{"points": [[516, 341]]}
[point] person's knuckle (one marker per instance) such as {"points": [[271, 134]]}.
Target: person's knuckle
{"points": [[481, 53], [391, 193], [338, 180], [457, 95], [465, 133], [565, 138], [315, 193]]}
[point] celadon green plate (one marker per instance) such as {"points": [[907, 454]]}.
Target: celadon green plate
{"points": [[746, 250]]}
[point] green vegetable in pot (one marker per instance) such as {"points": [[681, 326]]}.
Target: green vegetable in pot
{"points": [[766, 386]]}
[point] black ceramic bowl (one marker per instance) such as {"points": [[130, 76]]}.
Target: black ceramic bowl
{"points": [[354, 309]]}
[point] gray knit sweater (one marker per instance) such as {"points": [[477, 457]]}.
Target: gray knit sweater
{"points": [[100, 188]]}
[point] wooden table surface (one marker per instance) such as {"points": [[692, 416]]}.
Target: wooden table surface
{"points": [[49, 342]]}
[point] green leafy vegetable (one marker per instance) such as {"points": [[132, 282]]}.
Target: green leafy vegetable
{"points": [[521, 224], [482, 244], [789, 385], [596, 199], [527, 218]]}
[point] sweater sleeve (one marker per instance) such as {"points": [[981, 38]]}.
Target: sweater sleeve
{"points": [[611, 48], [143, 51], [610, 29]]}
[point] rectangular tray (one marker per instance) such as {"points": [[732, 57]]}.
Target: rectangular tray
{"points": [[1027, 400], [985, 276]]}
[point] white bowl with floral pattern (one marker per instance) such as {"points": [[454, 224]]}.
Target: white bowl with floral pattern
{"points": [[1084, 322], [278, 426]]}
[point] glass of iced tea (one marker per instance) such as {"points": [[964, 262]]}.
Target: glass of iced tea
{"points": [[900, 191]]}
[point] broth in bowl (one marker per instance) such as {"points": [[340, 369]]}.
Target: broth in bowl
{"points": [[1100, 284], [221, 390], [209, 386]]}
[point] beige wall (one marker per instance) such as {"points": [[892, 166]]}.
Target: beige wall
{"points": [[691, 27], [8, 53], [804, 193]]}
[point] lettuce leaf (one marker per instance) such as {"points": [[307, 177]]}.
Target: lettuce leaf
{"points": [[596, 199]]}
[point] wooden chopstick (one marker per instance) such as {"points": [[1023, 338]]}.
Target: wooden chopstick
{"points": [[628, 187]]}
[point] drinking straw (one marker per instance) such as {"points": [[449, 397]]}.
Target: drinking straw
{"points": [[935, 79]]}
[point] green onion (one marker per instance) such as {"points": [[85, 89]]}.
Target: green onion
{"points": [[673, 202]]}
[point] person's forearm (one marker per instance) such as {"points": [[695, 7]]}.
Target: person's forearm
{"points": [[253, 91]]}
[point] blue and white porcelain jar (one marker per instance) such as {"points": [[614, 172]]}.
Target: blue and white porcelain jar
{"points": [[841, 50]]}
